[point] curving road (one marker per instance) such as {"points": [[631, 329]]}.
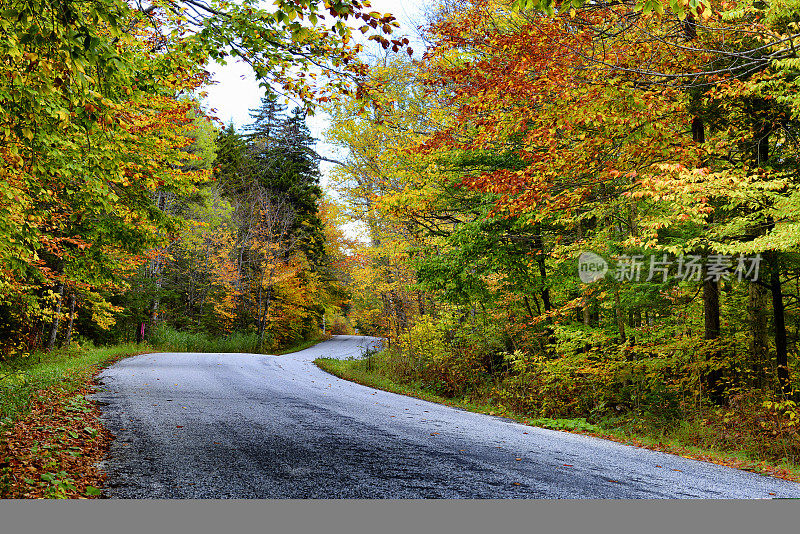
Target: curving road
{"points": [[254, 426]]}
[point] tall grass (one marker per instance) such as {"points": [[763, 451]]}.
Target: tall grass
{"points": [[22, 378], [166, 338]]}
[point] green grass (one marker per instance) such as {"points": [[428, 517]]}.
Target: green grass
{"points": [[682, 440], [22, 378], [171, 340], [303, 345]]}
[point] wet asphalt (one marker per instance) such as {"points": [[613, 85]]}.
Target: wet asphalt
{"points": [[191, 426]]}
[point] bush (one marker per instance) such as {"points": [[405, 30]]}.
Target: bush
{"points": [[338, 326], [448, 366]]}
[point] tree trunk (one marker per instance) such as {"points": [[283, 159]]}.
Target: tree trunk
{"points": [[545, 293], [712, 331], [620, 318], [267, 302], [528, 306], [781, 352], [262, 326], [711, 309], [38, 336], [260, 314], [139, 331], [68, 336], [759, 344], [153, 316], [51, 340], [545, 290]]}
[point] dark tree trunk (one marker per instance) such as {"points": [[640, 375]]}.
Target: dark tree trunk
{"points": [[761, 150], [51, 340], [262, 323], [711, 309], [528, 307], [778, 311], [712, 331], [698, 130], [37, 338], [710, 287], [68, 335], [153, 317], [260, 313], [759, 345], [545, 293], [620, 316]]}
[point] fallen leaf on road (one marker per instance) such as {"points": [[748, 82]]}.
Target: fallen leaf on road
{"points": [[178, 426], [518, 459], [434, 433]]}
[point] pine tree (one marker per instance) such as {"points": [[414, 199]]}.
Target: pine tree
{"points": [[230, 169], [281, 158], [267, 121]]}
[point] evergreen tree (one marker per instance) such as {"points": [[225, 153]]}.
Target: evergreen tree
{"points": [[267, 121], [281, 158], [230, 170]]}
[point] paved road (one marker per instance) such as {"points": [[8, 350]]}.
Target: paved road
{"points": [[255, 426]]}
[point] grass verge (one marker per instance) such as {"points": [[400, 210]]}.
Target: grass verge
{"points": [[171, 340], [50, 434], [303, 345], [362, 372]]}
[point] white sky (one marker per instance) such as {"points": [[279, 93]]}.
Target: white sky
{"points": [[236, 91]]}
